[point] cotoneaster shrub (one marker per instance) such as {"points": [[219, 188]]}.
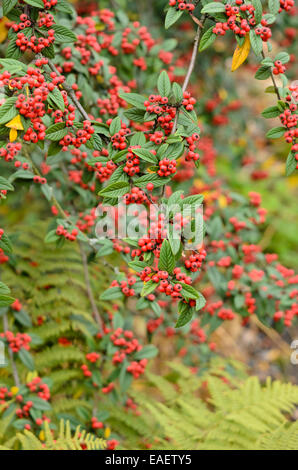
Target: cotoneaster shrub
{"points": [[94, 110]]}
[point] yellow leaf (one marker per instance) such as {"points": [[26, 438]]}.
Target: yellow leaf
{"points": [[42, 436], [14, 390], [13, 134], [3, 28], [107, 433], [31, 375], [15, 123], [241, 54]]}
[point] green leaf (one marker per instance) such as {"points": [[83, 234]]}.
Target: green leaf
{"points": [[291, 164], [137, 266], [195, 200], [23, 318], [167, 258], [125, 378], [258, 10], [6, 300], [51, 237], [151, 178], [275, 133], [5, 184], [56, 97], [207, 39], [201, 301], [8, 110], [147, 352], [283, 57], [64, 6], [263, 73], [274, 6], [111, 294], [269, 18], [115, 189], [35, 3], [271, 112], [134, 99], [174, 241], [189, 292], [177, 92], [213, 7], [40, 404], [145, 155], [172, 16], [115, 125], [256, 42], [138, 139], [56, 131], [185, 314], [8, 5], [12, 65], [63, 34], [163, 84], [149, 287], [4, 289], [26, 358], [5, 244]]}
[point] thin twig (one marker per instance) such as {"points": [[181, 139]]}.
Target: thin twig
{"points": [[15, 374], [273, 79], [69, 91], [191, 63]]}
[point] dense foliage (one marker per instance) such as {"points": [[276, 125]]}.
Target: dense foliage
{"points": [[98, 116]]}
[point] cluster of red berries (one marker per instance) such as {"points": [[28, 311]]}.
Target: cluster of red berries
{"points": [[288, 119], [217, 309], [167, 167], [109, 388], [18, 341], [157, 137], [1, 233], [79, 139], [127, 344], [191, 154], [157, 104], [25, 22], [48, 4], [34, 43], [3, 257], [103, 173], [154, 323], [136, 196], [39, 179], [125, 286], [199, 335], [45, 19], [38, 386], [5, 394], [194, 262], [119, 139], [95, 424], [92, 357], [188, 101], [63, 232], [11, 150], [250, 303], [241, 26], [182, 5], [286, 5], [137, 368], [132, 165], [278, 67]]}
